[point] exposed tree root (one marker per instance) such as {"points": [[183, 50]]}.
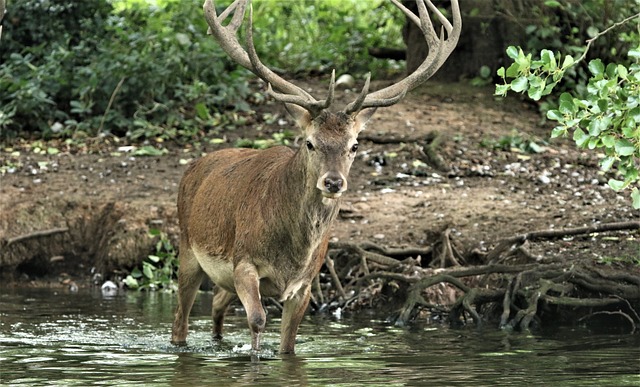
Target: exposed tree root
{"points": [[437, 280]]}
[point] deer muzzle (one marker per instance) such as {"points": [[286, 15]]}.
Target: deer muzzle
{"points": [[332, 184]]}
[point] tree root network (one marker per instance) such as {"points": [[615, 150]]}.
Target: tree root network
{"points": [[439, 282]]}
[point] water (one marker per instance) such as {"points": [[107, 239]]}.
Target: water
{"points": [[52, 337]]}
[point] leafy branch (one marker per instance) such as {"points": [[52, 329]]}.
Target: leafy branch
{"points": [[607, 117]]}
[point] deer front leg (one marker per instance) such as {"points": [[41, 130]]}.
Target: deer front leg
{"points": [[292, 314], [247, 283], [190, 276]]}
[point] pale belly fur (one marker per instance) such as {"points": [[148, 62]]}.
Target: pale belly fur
{"points": [[220, 271]]}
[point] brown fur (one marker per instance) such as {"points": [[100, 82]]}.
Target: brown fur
{"points": [[257, 222]]}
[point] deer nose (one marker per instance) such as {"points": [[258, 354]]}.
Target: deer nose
{"points": [[333, 184]]}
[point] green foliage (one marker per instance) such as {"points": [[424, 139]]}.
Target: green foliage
{"points": [[308, 35], [140, 71], [130, 68], [515, 142], [564, 25], [159, 270], [280, 138], [606, 117]]}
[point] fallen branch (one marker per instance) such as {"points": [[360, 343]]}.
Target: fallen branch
{"points": [[36, 234], [516, 241]]}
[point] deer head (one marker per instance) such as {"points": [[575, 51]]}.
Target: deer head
{"points": [[331, 137]]}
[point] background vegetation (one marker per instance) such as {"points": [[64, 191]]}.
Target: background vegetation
{"points": [[144, 71]]}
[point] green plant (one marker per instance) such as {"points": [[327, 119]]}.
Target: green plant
{"points": [[157, 75], [308, 35], [515, 141], [605, 116], [280, 138], [158, 271]]}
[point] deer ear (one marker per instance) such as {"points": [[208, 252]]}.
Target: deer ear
{"points": [[362, 117], [299, 114]]}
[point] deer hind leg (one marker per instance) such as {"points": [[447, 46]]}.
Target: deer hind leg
{"points": [[292, 314], [247, 284], [190, 276], [221, 301]]}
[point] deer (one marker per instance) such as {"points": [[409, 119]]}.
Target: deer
{"points": [[257, 222]]}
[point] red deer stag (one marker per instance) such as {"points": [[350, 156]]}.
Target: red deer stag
{"points": [[257, 221]]}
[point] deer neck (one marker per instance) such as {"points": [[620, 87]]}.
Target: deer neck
{"points": [[302, 196]]}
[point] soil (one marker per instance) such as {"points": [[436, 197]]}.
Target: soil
{"points": [[448, 157]]}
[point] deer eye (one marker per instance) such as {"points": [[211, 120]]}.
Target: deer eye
{"points": [[309, 145], [354, 148]]}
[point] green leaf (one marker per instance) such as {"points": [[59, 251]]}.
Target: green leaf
{"points": [[624, 147], [596, 67], [568, 61], [592, 31], [519, 84], [513, 70], [598, 125], [635, 114], [635, 198], [147, 270], [524, 61], [555, 115], [580, 137], [553, 4], [154, 258], [136, 273], [512, 52], [536, 88], [131, 282], [616, 185], [149, 150], [607, 163], [603, 104], [202, 111], [558, 131], [502, 89], [548, 59], [500, 72], [622, 71], [608, 141]]}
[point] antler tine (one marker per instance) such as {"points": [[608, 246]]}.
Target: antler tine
{"points": [[356, 105], [439, 51], [248, 58]]}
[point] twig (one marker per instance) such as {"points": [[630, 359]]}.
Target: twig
{"points": [[599, 34], [335, 277], [617, 312], [36, 234], [113, 97]]}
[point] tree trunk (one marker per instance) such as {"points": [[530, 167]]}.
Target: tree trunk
{"points": [[486, 33]]}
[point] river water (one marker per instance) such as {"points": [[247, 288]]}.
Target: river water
{"points": [[53, 338]]}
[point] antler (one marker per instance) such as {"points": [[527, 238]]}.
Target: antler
{"points": [[439, 51], [226, 36]]}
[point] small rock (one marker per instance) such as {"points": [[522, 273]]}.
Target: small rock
{"points": [[345, 81]]}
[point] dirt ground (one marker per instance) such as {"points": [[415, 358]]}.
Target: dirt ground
{"points": [[87, 209]]}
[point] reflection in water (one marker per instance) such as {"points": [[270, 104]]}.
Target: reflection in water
{"points": [[50, 338]]}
